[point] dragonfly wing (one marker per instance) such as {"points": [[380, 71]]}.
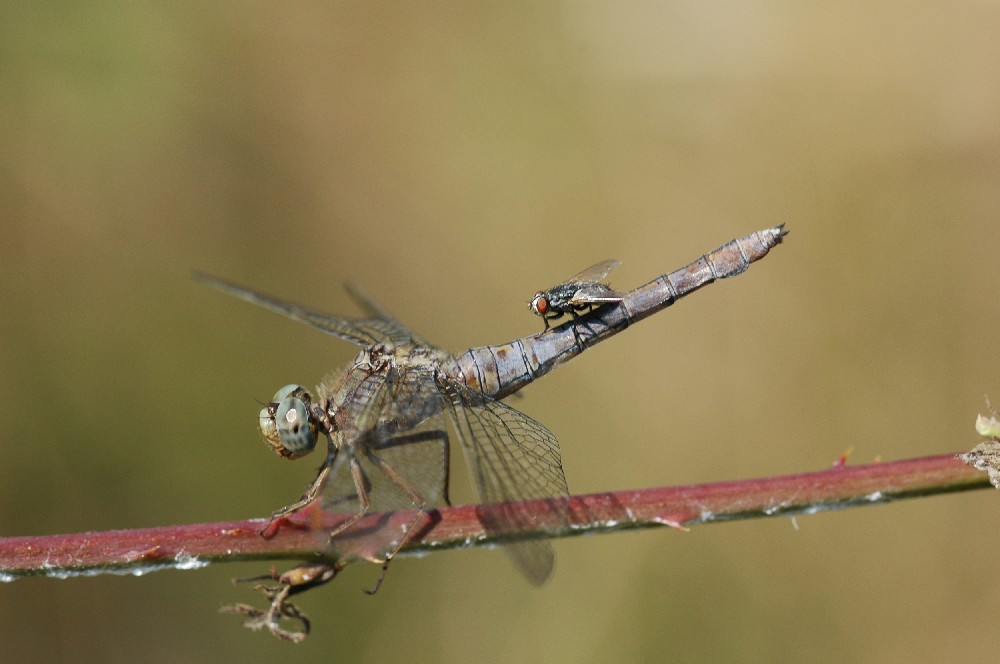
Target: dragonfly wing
{"points": [[388, 323], [595, 272], [513, 458], [394, 427], [364, 300], [360, 332], [393, 455]]}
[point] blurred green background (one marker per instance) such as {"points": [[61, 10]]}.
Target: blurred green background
{"points": [[453, 158]]}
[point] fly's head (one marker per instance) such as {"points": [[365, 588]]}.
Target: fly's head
{"points": [[539, 304], [287, 422]]}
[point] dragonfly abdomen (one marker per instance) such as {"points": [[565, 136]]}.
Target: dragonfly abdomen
{"points": [[499, 371]]}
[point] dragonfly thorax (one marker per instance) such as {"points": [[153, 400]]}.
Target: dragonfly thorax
{"points": [[378, 356]]}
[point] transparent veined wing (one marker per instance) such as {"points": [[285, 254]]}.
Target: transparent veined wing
{"points": [[513, 458], [360, 332], [595, 294], [390, 325], [392, 454], [595, 272], [394, 427]]}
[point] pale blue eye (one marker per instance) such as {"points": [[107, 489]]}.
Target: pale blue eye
{"points": [[295, 429], [286, 424], [287, 390]]}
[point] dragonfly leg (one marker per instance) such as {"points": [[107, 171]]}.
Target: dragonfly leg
{"points": [[307, 498], [418, 501], [381, 577], [364, 504], [392, 554]]}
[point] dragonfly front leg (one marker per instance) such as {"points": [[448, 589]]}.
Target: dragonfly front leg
{"points": [[311, 494]]}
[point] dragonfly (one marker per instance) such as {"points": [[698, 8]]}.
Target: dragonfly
{"points": [[581, 292], [385, 416], [384, 421]]}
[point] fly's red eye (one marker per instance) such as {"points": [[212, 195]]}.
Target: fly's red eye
{"points": [[541, 305]]}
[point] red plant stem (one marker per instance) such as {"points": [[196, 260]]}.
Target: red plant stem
{"points": [[187, 547]]}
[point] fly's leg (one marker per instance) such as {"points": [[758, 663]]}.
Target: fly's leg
{"points": [[580, 310], [417, 500], [552, 315]]}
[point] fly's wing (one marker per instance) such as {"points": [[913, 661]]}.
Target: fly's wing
{"points": [[595, 272], [512, 458], [362, 333], [395, 430], [595, 294]]}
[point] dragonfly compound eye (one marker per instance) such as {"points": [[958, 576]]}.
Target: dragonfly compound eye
{"points": [[539, 304], [286, 425]]}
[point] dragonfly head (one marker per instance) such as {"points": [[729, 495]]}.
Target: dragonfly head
{"points": [[286, 422], [539, 304]]}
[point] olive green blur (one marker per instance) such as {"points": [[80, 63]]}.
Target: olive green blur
{"points": [[453, 159]]}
